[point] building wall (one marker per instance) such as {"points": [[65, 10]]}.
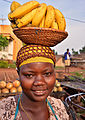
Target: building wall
{"points": [[10, 48], [60, 63], [5, 55], [15, 43]]}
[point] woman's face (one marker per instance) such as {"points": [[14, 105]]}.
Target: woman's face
{"points": [[37, 80]]}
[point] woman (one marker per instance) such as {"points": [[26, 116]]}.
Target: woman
{"points": [[35, 65]]}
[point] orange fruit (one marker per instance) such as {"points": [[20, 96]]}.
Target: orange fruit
{"points": [[16, 83], [2, 84], [55, 89], [5, 90], [19, 89], [13, 90], [58, 84], [9, 85], [60, 89]]}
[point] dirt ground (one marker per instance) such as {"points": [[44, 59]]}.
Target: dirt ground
{"points": [[9, 74], [60, 73]]}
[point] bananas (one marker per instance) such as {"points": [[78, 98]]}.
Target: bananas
{"points": [[40, 13], [10, 19], [24, 9], [34, 14], [60, 20], [42, 23], [26, 19], [14, 5], [54, 25], [49, 16]]}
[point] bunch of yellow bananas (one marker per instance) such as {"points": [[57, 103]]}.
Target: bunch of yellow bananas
{"points": [[34, 14]]}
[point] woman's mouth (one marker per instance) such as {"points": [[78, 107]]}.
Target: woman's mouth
{"points": [[39, 92]]}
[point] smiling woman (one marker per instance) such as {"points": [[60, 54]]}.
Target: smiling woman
{"points": [[37, 80], [35, 66]]}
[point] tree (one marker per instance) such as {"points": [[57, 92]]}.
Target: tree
{"points": [[55, 52], [74, 52], [3, 42], [82, 50]]}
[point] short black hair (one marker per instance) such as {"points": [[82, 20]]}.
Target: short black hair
{"points": [[67, 49]]}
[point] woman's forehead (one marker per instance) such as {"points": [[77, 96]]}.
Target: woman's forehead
{"points": [[37, 66]]}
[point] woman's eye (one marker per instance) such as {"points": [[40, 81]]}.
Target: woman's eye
{"points": [[29, 75], [47, 74]]}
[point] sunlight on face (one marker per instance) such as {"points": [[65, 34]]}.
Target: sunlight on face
{"points": [[37, 80]]}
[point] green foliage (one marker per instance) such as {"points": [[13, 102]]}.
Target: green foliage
{"points": [[3, 64], [55, 52], [74, 52], [72, 78], [14, 62], [24, 44], [12, 66], [3, 41], [82, 50], [83, 79], [0, 48], [59, 67], [78, 74]]}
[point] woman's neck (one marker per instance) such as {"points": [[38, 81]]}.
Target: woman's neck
{"points": [[32, 105], [36, 110]]}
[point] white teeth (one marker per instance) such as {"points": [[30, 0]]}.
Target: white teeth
{"points": [[39, 92]]}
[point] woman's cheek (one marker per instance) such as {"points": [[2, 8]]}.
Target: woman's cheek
{"points": [[26, 83], [51, 82]]}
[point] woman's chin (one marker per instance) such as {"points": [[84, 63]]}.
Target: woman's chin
{"points": [[37, 97]]}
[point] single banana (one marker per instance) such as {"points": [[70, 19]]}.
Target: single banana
{"points": [[10, 19], [40, 13], [60, 20], [27, 18], [49, 16], [42, 23], [54, 25], [14, 5], [24, 9]]}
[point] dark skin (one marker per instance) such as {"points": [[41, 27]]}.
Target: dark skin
{"points": [[37, 81]]}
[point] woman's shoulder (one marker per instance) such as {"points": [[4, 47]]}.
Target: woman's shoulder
{"points": [[59, 108], [7, 108], [56, 102], [6, 103]]}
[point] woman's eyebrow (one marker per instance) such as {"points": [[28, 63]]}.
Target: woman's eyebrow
{"points": [[29, 71], [47, 69]]}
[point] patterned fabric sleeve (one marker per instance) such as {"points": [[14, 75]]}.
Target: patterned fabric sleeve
{"points": [[59, 109], [7, 109]]}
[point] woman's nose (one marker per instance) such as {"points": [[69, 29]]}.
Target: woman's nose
{"points": [[39, 80]]}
